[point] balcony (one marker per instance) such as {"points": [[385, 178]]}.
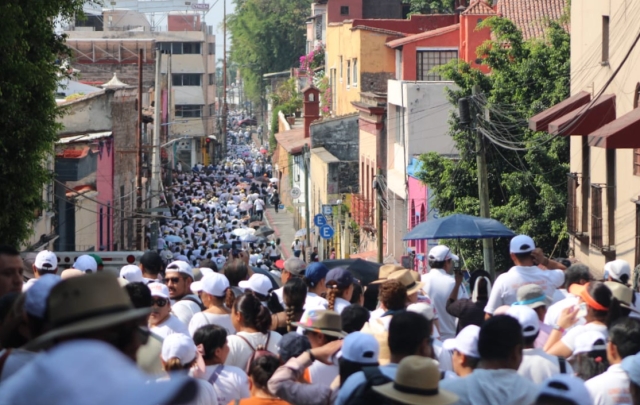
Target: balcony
{"points": [[363, 212]]}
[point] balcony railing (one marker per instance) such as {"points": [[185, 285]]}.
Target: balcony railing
{"points": [[362, 211]]}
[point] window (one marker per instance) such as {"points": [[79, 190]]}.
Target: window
{"points": [[212, 48], [212, 79], [399, 127], [355, 72], [412, 215], [212, 110], [191, 48], [188, 111], [572, 206], [596, 215], [344, 10], [180, 48], [348, 73], [341, 68], [186, 79], [333, 89], [605, 39], [427, 60]]}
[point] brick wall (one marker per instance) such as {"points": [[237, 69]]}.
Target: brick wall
{"points": [[127, 73]]}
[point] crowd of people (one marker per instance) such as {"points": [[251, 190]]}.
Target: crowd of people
{"points": [[215, 316]]}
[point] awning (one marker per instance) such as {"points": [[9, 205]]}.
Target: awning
{"points": [[618, 134], [583, 121], [212, 137], [540, 122]]}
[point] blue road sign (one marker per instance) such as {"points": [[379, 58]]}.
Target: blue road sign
{"points": [[326, 232], [319, 220]]}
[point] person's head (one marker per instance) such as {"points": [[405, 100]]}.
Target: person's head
{"points": [[480, 284], [631, 365], [98, 260], [160, 303], [357, 297], [589, 357], [600, 303], [293, 267], [151, 264], [140, 297], [214, 290], [563, 389], [213, 339], [11, 270], [46, 263], [260, 371], [464, 349], [179, 352], [132, 273], [86, 264], [500, 343], [248, 314], [321, 326], [533, 296], [577, 273], [392, 295], [178, 277], [35, 304], [354, 317], [624, 339], [520, 249], [358, 350], [294, 295], [292, 345], [339, 284], [235, 271], [409, 334], [529, 322], [441, 257], [315, 275]]}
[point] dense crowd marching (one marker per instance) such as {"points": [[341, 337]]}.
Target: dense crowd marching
{"points": [[216, 316]]}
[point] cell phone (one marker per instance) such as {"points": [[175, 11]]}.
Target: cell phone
{"points": [[235, 253]]}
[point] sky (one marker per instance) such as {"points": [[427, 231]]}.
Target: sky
{"points": [[214, 19]]}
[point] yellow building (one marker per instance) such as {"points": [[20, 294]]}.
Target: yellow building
{"points": [[602, 120]]}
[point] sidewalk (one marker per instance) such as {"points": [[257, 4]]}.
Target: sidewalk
{"points": [[282, 224]]}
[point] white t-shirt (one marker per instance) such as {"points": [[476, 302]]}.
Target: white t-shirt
{"points": [[339, 304], [537, 365], [554, 311], [376, 313], [205, 396], [185, 310], [569, 339], [610, 387], [438, 286], [240, 352], [204, 318], [171, 325], [313, 300], [323, 374], [506, 285], [232, 383]]}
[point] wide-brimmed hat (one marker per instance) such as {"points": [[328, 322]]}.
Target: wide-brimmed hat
{"points": [[385, 270], [622, 293], [83, 304], [322, 321], [416, 383], [532, 296], [405, 278]]}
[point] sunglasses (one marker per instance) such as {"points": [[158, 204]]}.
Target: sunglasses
{"points": [[161, 302], [174, 280]]}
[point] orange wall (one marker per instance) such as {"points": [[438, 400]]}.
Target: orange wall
{"points": [[409, 51], [471, 38]]}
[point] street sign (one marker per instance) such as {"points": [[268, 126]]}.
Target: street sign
{"points": [[327, 209], [200, 6], [319, 220], [326, 232], [295, 193]]}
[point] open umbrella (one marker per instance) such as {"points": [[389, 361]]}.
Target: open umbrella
{"points": [[301, 232], [459, 226], [264, 231], [273, 180], [240, 232], [363, 270], [249, 238]]}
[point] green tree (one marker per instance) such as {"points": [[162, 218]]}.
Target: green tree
{"points": [[267, 36], [527, 173], [29, 75], [432, 6]]}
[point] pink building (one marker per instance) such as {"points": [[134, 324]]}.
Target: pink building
{"points": [[419, 210]]}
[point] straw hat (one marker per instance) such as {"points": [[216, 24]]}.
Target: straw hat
{"points": [[385, 270], [416, 383], [323, 321], [405, 278]]}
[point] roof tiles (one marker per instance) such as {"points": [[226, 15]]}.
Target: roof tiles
{"points": [[479, 7], [531, 16]]}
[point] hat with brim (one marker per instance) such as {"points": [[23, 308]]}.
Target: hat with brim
{"points": [[322, 321], [623, 294], [416, 383], [84, 304], [385, 271], [405, 278]]}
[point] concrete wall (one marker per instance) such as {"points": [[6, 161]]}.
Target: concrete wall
{"points": [[104, 187], [338, 135], [381, 9], [449, 40], [91, 113]]}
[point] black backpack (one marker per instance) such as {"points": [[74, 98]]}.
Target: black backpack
{"points": [[364, 394]]}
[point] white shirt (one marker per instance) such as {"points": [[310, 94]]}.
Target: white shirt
{"points": [[438, 286], [340, 304], [204, 318], [171, 325], [232, 383], [492, 387], [323, 374], [554, 311], [537, 365], [240, 352], [313, 300], [569, 339], [506, 286], [610, 387], [206, 395], [185, 310], [376, 313]]}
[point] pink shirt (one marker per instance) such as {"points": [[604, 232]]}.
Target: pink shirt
{"points": [[543, 336]]}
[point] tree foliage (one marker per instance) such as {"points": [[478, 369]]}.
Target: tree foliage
{"points": [[432, 6], [267, 36], [30, 52], [527, 189]]}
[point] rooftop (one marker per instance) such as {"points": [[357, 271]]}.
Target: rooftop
{"points": [[325, 155], [293, 140], [531, 16], [424, 35], [479, 7]]}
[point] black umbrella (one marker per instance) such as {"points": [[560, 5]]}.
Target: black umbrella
{"points": [[264, 231], [363, 270]]}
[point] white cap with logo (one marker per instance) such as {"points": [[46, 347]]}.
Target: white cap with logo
{"points": [[159, 290], [441, 253], [258, 283], [466, 342], [521, 244], [46, 260]]}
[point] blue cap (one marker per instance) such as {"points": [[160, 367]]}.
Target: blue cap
{"points": [[631, 364], [293, 345], [341, 276], [315, 272]]}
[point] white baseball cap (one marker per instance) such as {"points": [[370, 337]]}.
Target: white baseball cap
{"points": [[441, 253], [86, 263], [35, 299], [46, 260], [614, 269], [522, 244], [180, 266], [258, 283], [361, 348], [180, 346], [466, 342], [528, 319], [159, 290], [587, 342], [567, 387], [132, 274], [215, 284]]}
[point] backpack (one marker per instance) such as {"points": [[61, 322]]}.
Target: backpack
{"points": [[194, 300], [258, 352], [364, 394]]}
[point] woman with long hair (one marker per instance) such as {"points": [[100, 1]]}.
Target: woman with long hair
{"points": [[214, 290], [294, 295], [252, 322], [590, 355], [339, 283]]}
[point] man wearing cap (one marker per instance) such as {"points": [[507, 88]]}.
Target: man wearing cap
{"points": [[293, 267], [532, 296], [178, 277], [504, 291], [618, 271], [315, 275], [86, 264], [151, 266], [565, 389], [438, 284], [161, 321], [464, 349], [46, 263]]}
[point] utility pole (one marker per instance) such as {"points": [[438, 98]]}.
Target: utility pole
{"points": [[378, 216], [155, 150], [305, 156], [483, 191], [139, 228], [225, 108]]}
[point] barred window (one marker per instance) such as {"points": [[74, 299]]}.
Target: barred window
{"points": [[427, 60], [187, 79], [596, 215], [188, 111]]}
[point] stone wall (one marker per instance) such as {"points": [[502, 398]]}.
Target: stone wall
{"points": [[386, 9], [375, 82], [346, 177], [340, 136]]}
